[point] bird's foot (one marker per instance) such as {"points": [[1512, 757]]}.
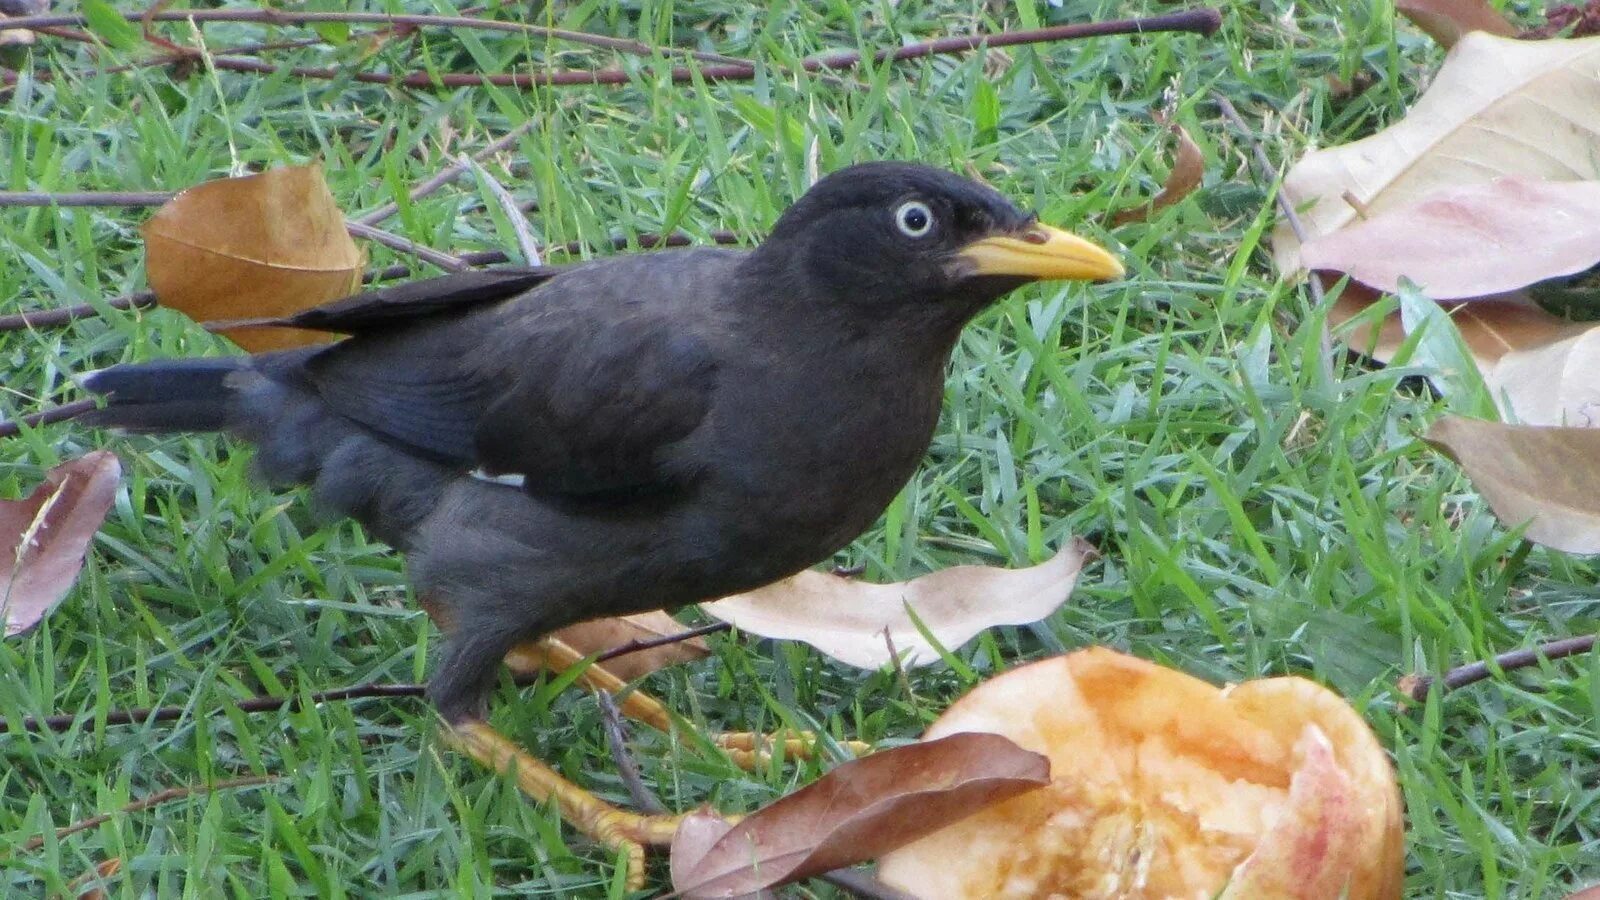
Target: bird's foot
{"points": [[748, 750], [624, 832]]}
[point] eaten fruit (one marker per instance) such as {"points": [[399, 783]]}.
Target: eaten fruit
{"points": [[1164, 786]]}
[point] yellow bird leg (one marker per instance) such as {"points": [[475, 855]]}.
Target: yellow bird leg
{"points": [[616, 829]]}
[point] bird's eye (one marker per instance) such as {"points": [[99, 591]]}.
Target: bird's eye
{"points": [[914, 218]]}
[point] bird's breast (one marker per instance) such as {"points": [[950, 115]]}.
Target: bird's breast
{"points": [[810, 453]]}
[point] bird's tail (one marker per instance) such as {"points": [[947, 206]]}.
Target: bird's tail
{"points": [[170, 395]]}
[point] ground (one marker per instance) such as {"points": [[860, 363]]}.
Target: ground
{"points": [[1255, 516]]}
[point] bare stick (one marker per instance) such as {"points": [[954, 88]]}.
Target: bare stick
{"points": [[286, 17], [396, 242], [680, 637], [143, 803], [1416, 686], [50, 318], [1269, 175], [66, 721], [85, 198], [644, 799], [1202, 21], [46, 416], [157, 198]]}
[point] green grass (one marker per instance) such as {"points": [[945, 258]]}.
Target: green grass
{"points": [[1255, 517]]}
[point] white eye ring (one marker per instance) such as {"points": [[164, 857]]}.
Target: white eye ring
{"points": [[914, 219]]}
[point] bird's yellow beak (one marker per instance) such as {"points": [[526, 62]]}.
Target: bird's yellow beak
{"points": [[1043, 253]]}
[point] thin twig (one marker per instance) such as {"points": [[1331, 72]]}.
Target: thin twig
{"points": [[46, 416], [520, 226], [157, 198], [1416, 686], [288, 17], [644, 799], [65, 721], [85, 198], [449, 173], [143, 803], [51, 318], [396, 242], [1269, 175], [678, 638], [1202, 21]]}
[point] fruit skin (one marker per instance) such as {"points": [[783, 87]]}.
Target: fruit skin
{"points": [[1164, 786]]}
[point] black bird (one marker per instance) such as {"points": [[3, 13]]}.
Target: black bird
{"points": [[549, 445]]}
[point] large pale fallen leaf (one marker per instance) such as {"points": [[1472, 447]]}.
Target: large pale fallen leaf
{"points": [[262, 246], [1497, 107], [48, 533], [1546, 477], [847, 619], [858, 811], [1552, 384], [1165, 786], [1188, 168], [1447, 21], [1470, 241]]}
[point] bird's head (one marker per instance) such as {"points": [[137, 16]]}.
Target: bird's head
{"points": [[896, 236]]}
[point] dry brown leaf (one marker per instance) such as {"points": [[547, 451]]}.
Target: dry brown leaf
{"points": [[605, 634], [1470, 241], [1492, 328], [1497, 107], [262, 246], [847, 619], [860, 810], [1166, 786], [1546, 477], [48, 534], [1446, 21], [1589, 893], [1188, 168]]}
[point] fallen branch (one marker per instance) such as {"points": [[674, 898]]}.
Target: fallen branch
{"points": [[50, 318], [1203, 21], [289, 17], [370, 690], [143, 803], [1417, 686]]}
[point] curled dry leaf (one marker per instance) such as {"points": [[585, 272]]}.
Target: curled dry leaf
{"points": [[1188, 168], [1492, 328], [847, 619], [1546, 477], [48, 534], [1497, 107], [1447, 21], [1166, 786], [262, 246], [600, 635], [1470, 241], [860, 810]]}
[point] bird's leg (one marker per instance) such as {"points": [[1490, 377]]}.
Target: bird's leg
{"points": [[619, 830], [458, 689], [747, 750]]}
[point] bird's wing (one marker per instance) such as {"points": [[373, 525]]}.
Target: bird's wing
{"points": [[388, 306], [579, 392]]}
